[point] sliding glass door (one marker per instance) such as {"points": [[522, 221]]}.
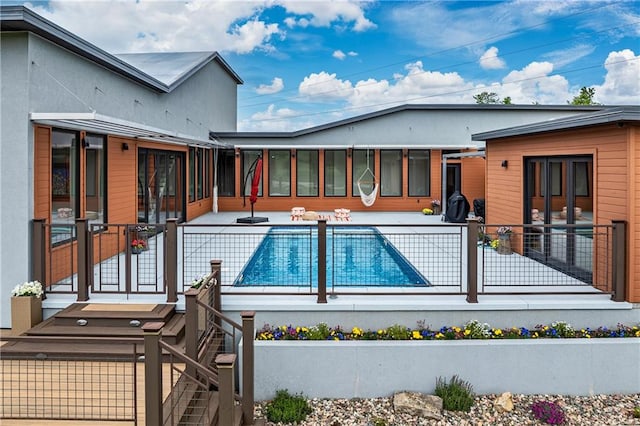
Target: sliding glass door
{"points": [[160, 186], [559, 198]]}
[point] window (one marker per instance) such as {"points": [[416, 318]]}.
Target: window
{"points": [[199, 159], [363, 159], [556, 179], [192, 174], [581, 179], [65, 176], [207, 172], [391, 173], [335, 173], [419, 173], [95, 182], [279, 173], [307, 173], [248, 158], [226, 173]]}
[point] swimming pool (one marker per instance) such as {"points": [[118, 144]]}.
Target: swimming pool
{"points": [[356, 256]]}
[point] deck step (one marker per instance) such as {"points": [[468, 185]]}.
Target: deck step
{"points": [[114, 314]]}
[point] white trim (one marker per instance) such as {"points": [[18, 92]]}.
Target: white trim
{"points": [[94, 122], [301, 146]]}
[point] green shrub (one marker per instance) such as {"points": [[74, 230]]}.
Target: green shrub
{"points": [[319, 332], [636, 412], [399, 332], [287, 408], [457, 395]]}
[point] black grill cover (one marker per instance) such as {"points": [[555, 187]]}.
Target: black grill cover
{"points": [[478, 207], [457, 208]]}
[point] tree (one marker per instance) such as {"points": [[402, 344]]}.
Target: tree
{"points": [[585, 97], [487, 98], [491, 98]]}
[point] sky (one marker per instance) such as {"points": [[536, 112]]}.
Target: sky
{"points": [[307, 63]]}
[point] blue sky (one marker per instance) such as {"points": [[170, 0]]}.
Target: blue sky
{"points": [[306, 63]]}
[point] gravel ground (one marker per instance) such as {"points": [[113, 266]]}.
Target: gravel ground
{"points": [[596, 410]]}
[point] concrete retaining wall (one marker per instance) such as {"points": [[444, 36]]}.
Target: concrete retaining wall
{"points": [[349, 369]]}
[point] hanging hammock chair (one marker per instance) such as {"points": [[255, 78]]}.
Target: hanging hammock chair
{"points": [[370, 198]]}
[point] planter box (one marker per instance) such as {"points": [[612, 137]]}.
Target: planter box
{"points": [[26, 311], [349, 369]]}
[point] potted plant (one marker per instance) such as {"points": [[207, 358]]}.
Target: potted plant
{"points": [[435, 205], [138, 246], [504, 240], [26, 306]]}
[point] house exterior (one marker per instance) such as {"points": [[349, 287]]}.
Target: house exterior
{"points": [[87, 134], [582, 170], [416, 153]]}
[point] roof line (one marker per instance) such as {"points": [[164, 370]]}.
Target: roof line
{"points": [[407, 107], [20, 18], [611, 114]]}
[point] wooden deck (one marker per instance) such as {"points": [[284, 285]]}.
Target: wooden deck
{"points": [[76, 373]]}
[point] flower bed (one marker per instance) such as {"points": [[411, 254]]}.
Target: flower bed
{"points": [[374, 364]]}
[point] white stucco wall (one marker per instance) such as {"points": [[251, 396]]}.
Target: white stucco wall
{"points": [[16, 170]]}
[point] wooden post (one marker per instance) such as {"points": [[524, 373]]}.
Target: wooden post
{"points": [[152, 373], [472, 260], [226, 391], [191, 327], [322, 261], [83, 261], [171, 250], [619, 258], [248, 331], [38, 254]]}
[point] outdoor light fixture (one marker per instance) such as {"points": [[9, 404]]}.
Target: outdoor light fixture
{"points": [[505, 163], [293, 153], [84, 142], [237, 153], [125, 146]]}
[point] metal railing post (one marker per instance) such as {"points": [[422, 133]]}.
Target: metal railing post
{"points": [[38, 253], [619, 254], [83, 261], [226, 394], [191, 327], [171, 258], [152, 373], [248, 330], [472, 260], [322, 261]]}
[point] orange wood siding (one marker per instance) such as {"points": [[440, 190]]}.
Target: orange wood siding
{"points": [[472, 178], [633, 293], [42, 173], [616, 195]]}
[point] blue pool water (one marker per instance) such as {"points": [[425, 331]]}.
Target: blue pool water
{"points": [[356, 256]]}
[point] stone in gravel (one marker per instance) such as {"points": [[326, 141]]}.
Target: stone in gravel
{"points": [[418, 404], [504, 403]]}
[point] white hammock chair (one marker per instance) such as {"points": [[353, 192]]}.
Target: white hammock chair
{"points": [[368, 199]]}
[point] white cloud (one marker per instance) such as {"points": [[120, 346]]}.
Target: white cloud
{"points": [[274, 120], [339, 54], [325, 86], [490, 60], [276, 86], [147, 25], [326, 13], [534, 83], [561, 58], [621, 84]]}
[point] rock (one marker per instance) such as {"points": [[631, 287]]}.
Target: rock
{"points": [[418, 404], [504, 403]]}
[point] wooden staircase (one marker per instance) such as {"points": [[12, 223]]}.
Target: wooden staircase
{"points": [[107, 320]]}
